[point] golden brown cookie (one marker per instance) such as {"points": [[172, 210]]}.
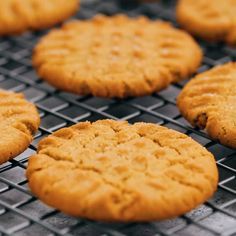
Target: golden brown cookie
{"points": [[17, 16], [19, 120], [113, 171], [212, 20], [209, 102], [116, 56]]}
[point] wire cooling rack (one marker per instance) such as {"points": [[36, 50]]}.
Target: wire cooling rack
{"points": [[22, 214]]}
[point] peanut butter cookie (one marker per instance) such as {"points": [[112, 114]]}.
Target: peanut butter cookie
{"points": [[209, 102], [116, 56], [19, 16], [113, 171], [19, 120], [213, 20]]}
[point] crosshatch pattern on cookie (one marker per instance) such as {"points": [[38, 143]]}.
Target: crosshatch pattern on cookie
{"points": [[116, 56], [115, 171], [19, 121], [209, 101]]}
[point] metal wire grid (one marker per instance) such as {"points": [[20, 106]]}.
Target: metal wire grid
{"points": [[23, 214]]}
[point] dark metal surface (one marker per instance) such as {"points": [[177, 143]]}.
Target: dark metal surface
{"points": [[22, 214]]}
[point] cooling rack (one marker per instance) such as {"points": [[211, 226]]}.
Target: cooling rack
{"points": [[23, 214]]}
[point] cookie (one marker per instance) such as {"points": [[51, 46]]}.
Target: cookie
{"points": [[116, 56], [19, 120], [19, 16], [214, 20], [209, 102], [113, 171]]}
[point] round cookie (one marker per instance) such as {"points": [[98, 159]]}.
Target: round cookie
{"points": [[116, 56], [19, 16], [209, 102], [113, 171], [213, 20], [19, 120]]}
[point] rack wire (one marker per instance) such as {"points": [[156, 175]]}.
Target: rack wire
{"points": [[23, 214]]}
